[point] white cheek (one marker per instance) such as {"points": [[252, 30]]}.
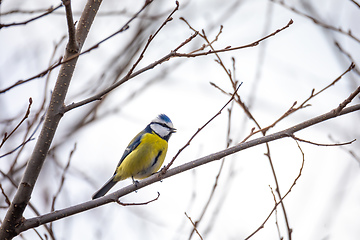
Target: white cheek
{"points": [[160, 130]]}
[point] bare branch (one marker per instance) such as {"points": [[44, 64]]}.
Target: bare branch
{"points": [[276, 215], [30, 138], [215, 185], [291, 110], [14, 216], [248, 113], [48, 11], [62, 181], [227, 49], [356, 3], [304, 104], [72, 44], [7, 136], [7, 200], [323, 144], [75, 56], [138, 204], [168, 19], [194, 225], [172, 54], [59, 214], [352, 153], [99, 95], [199, 129], [287, 193], [348, 55], [348, 100], [32, 207], [318, 22], [62, 178]]}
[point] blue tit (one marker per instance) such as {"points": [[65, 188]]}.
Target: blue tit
{"points": [[144, 155]]}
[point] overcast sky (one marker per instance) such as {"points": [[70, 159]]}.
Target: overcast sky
{"points": [[324, 203]]}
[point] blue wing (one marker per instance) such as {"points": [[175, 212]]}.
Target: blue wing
{"points": [[132, 145]]}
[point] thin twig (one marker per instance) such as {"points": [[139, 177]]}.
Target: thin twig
{"points": [[172, 54], [356, 3], [30, 138], [291, 110], [37, 115], [323, 144], [168, 19], [304, 104], [194, 226], [227, 49], [348, 55], [215, 185], [163, 171], [289, 230], [316, 21], [62, 181], [138, 204], [247, 111], [276, 213], [100, 95], [32, 207], [348, 100], [43, 73], [7, 200], [352, 153], [287, 193], [72, 45], [7, 136], [48, 11]]}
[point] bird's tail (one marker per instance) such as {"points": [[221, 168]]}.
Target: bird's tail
{"points": [[104, 189]]}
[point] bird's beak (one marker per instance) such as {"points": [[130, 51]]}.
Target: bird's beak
{"points": [[173, 130]]}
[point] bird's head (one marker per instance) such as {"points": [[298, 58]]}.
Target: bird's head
{"points": [[162, 126]]}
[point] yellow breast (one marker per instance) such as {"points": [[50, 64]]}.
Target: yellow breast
{"points": [[144, 160]]}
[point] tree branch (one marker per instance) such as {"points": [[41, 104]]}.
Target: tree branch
{"points": [[113, 197], [282, 198], [167, 57], [48, 11], [318, 22], [13, 219], [72, 44], [7, 136], [75, 56]]}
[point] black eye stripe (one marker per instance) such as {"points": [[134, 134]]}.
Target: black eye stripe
{"points": [[162, 124]]}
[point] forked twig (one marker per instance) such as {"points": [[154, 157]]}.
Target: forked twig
{"points": [[164, 169]]}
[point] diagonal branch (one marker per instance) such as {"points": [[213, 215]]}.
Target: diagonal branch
{"points": [[113, 197], [167, 57], [282, 198], [75, 56], [72, 45], [14, 216], [317, 21], [199, 129], [48, 11], [356, 3], [7, 136]]}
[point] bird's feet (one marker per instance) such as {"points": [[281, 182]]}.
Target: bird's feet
{"points": [[135, 182]]}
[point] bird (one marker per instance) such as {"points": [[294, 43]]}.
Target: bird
{"points": [[144, 155]]}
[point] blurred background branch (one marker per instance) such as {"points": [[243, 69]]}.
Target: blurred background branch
{"points": [[170, 65]]}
